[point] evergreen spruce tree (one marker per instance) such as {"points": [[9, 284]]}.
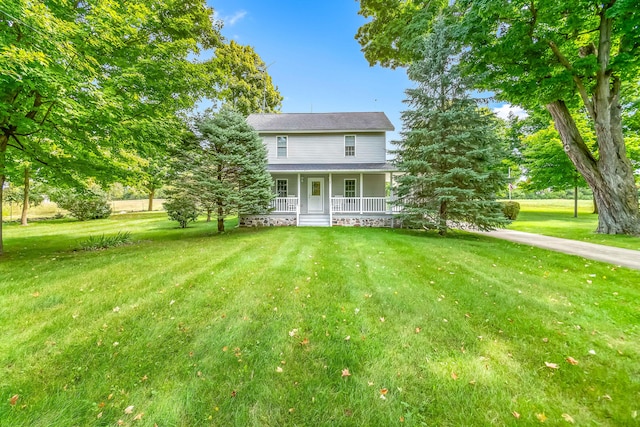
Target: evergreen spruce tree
{"points": [[230, 176], [449, 150]]}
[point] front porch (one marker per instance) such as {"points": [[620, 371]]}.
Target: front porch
{"points": [[330, 199]]}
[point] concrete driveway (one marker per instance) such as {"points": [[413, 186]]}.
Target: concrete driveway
{"points": [[617, 256]]}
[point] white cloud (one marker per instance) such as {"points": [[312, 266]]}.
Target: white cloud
{"points": [[232, 20], [229, 20], [504, 110]]}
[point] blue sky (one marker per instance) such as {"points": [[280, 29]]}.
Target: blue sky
{"points": [[314, 58]]}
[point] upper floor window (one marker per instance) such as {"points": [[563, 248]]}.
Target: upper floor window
{"points": [[349, 188], [349, 145], [282, 187], [281, 142]]}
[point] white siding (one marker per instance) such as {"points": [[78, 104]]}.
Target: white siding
{"points": [[327, 148]]}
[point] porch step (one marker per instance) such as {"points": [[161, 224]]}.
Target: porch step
{"points": [[314, 221]]}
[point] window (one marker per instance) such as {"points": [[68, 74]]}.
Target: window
{"points": [[282, 187], [349, 188], [282, 146], [349, 145]]}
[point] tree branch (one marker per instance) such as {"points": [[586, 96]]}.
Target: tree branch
{"points": [[581, 89], [21, 148]]}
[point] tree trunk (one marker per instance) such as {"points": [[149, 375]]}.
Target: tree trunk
{"points": [[220, 219], [3, 155], [152, 193], [442, 219], [610, 177], [25, 198], [209, 211], [595, 206]]}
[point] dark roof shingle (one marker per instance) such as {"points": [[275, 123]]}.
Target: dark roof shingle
{"points": [[314, 122]]}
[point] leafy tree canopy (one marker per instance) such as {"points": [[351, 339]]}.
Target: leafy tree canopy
{"points": [[244, 84], [566, 56]]}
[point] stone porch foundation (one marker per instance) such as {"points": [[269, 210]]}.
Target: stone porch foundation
{"points": [[267, 221]]}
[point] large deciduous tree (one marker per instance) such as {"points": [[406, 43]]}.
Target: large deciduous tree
{"points": [[83, 84], [243, 81], [573, 57], [450, 150]]}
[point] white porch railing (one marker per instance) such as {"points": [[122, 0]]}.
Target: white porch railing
{"points": [[284, 204], [362, 204]]}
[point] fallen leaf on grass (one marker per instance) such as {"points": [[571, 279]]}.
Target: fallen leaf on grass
{"points": [[138, 417], [568, 418], [454, 375], [551, 365], [384, 391], [516, 415], [278, 369], [128, 409], [99, 415], [571, 360], [304, 341], [346, 373], [541, 417], [14, 399]]}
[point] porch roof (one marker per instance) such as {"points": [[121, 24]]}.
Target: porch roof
{"points": [[333, 167]]}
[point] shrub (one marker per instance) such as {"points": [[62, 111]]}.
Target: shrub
{"points": [[511, 210], [94, 243], [182, 208], [89, 204]]}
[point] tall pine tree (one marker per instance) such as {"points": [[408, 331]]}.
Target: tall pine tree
{"points": [[449, 150], [228, 170]]}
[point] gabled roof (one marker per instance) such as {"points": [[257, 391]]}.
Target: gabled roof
{"points": [[320, 122]]}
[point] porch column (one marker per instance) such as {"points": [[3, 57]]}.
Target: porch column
{"points": [[390, 206], [361, 199], [330, 202], [298, 204]]}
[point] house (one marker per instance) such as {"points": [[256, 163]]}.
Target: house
{"points": [[328, 169]]}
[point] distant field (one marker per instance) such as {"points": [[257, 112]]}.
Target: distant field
{"points": [[286, 326], [555, 218], [50, 209]]}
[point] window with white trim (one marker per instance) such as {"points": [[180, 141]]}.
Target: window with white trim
{"points": [[349, 188], [281, 143], [282, 187], [349, 145]]}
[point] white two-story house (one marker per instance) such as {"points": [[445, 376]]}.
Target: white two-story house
{"points": [[327, 168]]}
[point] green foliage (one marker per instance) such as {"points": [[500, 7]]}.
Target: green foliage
{"points": [[89, 87], [511, 210], [95, 243], [224, 168], [547, 163], [83, 204], [450, 149], [182, 207], [571, 57], [15, 194], [244, 84]]}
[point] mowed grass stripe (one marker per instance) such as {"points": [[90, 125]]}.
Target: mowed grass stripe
{"points": [[251, 327]]}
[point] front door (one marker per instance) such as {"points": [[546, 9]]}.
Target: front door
{"points": [[316, 195]]}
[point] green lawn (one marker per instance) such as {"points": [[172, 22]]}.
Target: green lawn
{"points": [[555, 218], [309, 326]]}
